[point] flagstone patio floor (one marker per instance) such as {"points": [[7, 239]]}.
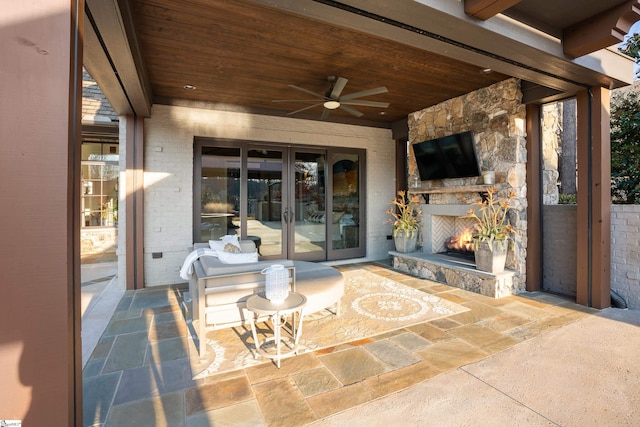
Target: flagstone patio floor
{"points": [[139, 372]]}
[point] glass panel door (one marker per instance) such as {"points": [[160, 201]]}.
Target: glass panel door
{"points": [[307, 217], [347, 204], [219, 185], [267, 200], [297, 203]]}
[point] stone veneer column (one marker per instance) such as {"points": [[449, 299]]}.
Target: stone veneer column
{"points": [[534, 207], [496, 116]]}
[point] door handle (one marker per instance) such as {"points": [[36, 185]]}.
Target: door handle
{"points": [[286, 213]]}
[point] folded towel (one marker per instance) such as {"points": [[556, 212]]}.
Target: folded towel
{"points": [[187, 266]]}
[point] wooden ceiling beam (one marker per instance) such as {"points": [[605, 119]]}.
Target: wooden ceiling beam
{"points": [[119, 45], [602, 30], [485, 9], [97, 64]]}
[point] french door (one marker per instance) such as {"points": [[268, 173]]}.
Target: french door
{"points": [[294, 202]]}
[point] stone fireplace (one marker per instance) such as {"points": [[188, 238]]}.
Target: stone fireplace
{"points": [[496, 118], [441, 222]]}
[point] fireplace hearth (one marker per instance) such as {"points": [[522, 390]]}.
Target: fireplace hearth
{"points": [[447, 254], [457, 272]]}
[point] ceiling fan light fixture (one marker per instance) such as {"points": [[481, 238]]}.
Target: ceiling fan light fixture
{"points": [[331, 105]]}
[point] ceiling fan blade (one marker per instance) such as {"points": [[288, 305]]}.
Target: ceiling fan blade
{"points": [[362, 93], [351, 110], [303, 109], [338, 87], [325, 114], [295, 100], [308, 91], [366, 103]]}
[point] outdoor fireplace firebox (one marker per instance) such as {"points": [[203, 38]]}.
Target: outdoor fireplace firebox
{"points": [[460, 244], [442, 224]]}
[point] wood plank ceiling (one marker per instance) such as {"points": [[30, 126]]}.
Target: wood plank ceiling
{"points": [[242, 54]]}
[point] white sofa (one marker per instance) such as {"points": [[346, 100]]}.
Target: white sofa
{"points": [[219, 291]]}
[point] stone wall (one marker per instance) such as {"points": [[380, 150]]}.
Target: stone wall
{"points": [[98, 240], [552, 141], [496, 116]]}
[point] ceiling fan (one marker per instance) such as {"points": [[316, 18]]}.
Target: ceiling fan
{"points": [[334, 99]]}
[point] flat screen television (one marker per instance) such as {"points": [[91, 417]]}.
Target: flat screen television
{"points": [[452, 156]]}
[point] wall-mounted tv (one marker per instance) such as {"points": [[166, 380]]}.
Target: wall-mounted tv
{"points": [[451, 156]]}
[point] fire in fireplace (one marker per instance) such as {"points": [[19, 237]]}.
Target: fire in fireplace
{"points": [[460, 243]]}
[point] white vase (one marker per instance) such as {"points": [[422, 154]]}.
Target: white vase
{"points": [[405, 243], [491, 261], [489, 177]]}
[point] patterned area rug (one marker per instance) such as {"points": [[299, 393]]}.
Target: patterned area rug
{"points": [[372, 305]]}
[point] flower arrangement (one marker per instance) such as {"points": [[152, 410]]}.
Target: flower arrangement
{"points": [[492, 224], [405, 214]]}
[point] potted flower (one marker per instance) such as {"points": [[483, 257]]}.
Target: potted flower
{"points": [[405, 216], [492, 231]]}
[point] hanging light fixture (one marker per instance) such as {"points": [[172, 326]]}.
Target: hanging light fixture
{"points": [[331, 105]]}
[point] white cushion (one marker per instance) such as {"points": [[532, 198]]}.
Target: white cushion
{"points": [[239, 258]]}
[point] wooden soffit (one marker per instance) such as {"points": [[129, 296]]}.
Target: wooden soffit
{"points": [[602, 30], [485, 9], [114, 56]]}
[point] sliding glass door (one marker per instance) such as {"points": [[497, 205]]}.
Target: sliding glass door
{"points": [[294, 202]]}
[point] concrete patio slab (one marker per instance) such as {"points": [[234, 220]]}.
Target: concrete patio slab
{"points": [[583, 374]]}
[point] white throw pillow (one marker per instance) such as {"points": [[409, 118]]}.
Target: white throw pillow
{"points": [[239, 258], [219, 245]]}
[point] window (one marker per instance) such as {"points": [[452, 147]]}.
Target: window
{"points": [[99, 203]]}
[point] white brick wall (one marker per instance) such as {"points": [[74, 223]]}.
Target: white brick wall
{"points": [[559, 251], [625, 253], [168, 137]]}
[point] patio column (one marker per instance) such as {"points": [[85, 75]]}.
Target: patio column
{"points": [[130, 226], [594, 198], [40, 133], [534, 197]]}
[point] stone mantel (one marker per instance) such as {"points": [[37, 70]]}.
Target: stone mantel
{"points": [[476, 188]]}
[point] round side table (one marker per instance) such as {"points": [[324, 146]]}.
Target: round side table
{"points": [[277, 313]]}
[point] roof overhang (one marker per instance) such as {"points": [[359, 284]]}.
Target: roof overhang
{"points": [[115, 59]]}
